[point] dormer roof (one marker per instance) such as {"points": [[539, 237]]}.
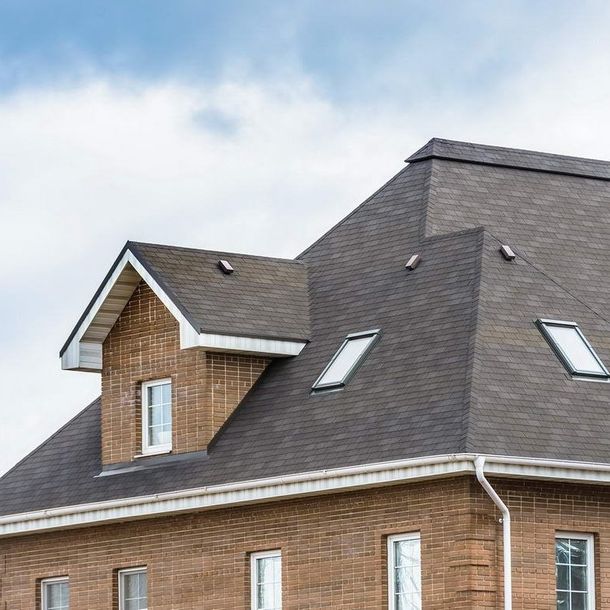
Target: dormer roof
{"points": [[261, 307]]}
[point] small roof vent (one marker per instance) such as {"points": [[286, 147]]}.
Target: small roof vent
{"points": [[225, 267], [413, 262], [507, 252]]}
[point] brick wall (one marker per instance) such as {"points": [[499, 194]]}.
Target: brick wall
{"points": [[333, 549], [333, 553], [143, 345]]}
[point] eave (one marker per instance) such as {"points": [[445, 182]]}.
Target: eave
{"points": [[83, 349], [300, 485]]}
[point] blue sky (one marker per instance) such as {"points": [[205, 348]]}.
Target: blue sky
{"points": [[245, 126], [437, 47]]}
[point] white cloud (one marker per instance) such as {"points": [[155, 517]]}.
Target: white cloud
{"points": [[256, 167], [84, 169]]}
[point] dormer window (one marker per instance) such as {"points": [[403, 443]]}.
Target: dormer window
{"points": [[346, 361], [572, 348], [156, 416]]}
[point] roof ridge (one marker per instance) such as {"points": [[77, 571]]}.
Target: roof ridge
{"points": [[219, 252], [472, 343], [514, 158], [352, 213]]}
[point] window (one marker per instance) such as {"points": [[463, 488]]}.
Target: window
{"points": [[572, 348], [347, 360], [266, 577], [574, 571], [156, 416], [55, 594], [404, 572], [133, 589]]}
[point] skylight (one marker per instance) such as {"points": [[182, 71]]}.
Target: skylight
{"points": [[346, 361], [572, 348]]}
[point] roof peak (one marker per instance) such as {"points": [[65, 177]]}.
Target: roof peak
{"points": [[131, 244], [516, 158]]}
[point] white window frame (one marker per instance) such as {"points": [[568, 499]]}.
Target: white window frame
{"points": [[590, 538], [392, 564], [320, 386], [121, 574], [564, 358], [154, 449], [254, 557], [52, 581]]}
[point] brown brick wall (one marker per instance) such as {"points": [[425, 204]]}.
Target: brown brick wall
{"points": [[333, 549], [143, 345], [333, 553]]}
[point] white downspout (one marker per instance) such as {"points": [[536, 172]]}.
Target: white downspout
{"points": [[479, 466]]}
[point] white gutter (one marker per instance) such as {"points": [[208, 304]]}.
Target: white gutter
{"points": [[298, 485], [479, 465]]}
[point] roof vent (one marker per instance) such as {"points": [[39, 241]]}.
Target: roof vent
{"points": [[225, 267], [413, 262], [507, 253]]}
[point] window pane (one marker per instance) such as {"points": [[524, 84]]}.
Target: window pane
{"points": [[575, 349], [562, 551], [158, 415], [134, 595], [578, 552], [345, 360], [268, 583], [56, 595], [572, 573], [155, 395], [563, 601], [406, 574], [579, 601]]}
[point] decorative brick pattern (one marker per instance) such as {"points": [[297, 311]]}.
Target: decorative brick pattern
{"points": [[143, 345]]}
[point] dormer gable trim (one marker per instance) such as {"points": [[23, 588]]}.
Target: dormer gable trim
{"points": [[83, 348]]}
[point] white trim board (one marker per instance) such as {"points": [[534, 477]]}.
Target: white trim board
{"points": [[299, 485], [84, 352]]}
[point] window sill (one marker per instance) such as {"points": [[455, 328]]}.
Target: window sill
{"points": [[149, 453]]}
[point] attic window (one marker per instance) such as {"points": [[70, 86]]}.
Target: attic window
{"points": [[346, 361], [157, 416], [573, 349]]}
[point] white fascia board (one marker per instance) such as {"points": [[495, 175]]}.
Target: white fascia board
{"points": [[299, 485], [269, 347], [85, 355], [78, 353], [233, 494]]}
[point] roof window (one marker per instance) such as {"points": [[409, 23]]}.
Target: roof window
{"points": [[346, 361], [573, 349]]}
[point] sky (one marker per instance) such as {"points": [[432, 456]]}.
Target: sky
{"points": [[249, 126]]}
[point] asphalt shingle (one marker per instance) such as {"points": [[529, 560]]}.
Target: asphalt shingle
{"points": [[460, 365]]}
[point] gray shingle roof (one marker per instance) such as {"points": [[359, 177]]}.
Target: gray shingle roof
{"points": [[263, 297], [460, 365]]}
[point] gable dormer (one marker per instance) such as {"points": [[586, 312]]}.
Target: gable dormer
{"points": [[180, 336]]}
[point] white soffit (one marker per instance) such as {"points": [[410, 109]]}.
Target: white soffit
{"points": [[84, 352]]}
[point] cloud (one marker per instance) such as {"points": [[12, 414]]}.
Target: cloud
{"points": [[252, 165]]}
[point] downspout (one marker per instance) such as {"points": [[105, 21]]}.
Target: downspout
{"points": [[479, 466]]}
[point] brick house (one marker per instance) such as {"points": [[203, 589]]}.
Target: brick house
{"points": [[411, 414]]}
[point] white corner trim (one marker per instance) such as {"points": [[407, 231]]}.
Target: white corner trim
{"points": [[85, 354], [298, 485]]}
